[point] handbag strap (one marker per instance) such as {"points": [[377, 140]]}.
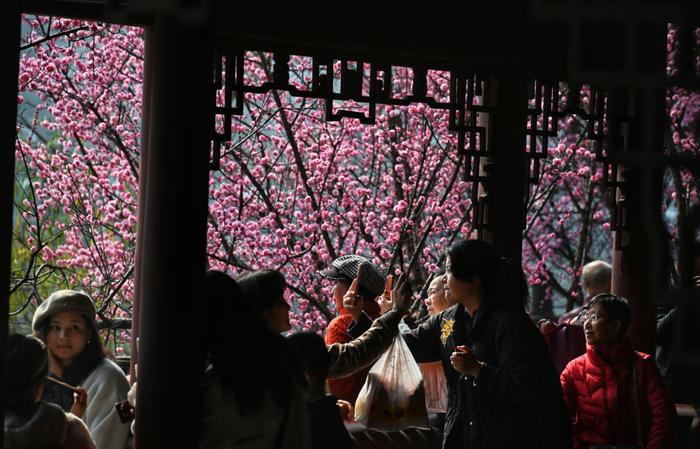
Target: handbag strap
{"points": [[635, 393]]}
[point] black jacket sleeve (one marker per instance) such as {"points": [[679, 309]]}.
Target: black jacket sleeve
{"points": [[424, 341]]}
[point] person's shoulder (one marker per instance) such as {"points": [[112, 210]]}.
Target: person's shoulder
{"points": [[46, 427], [78, 434], [448, 313], [51, 416], [337, 330], [50, 408], [340, 320], [508, 316], [107, 371], [110, 368], [575, 365], [579, 361], [48, 411], [72, 419], [440, 318]]}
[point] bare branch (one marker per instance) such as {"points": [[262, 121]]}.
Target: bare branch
{"points": [[49, 37]]}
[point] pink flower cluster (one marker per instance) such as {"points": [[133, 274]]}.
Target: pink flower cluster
{"points": [[77, 153]]}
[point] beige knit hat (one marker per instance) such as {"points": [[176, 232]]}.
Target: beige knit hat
{"points": [[64, 301]]}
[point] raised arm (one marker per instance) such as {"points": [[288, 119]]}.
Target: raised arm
{"points": [[348, 358]]}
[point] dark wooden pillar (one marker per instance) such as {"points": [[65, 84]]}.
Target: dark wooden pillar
{"points": [[640, 255], [143, 188], [173, 226], [9, 55], [506, 171], [507, 175]]}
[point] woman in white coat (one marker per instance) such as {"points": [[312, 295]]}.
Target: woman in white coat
{"points": [[65, 322]]}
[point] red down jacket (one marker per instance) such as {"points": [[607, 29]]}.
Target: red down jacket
{"points": [[598, 392]]}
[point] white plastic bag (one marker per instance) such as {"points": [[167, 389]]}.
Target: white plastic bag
{"points": [[393, 396]]}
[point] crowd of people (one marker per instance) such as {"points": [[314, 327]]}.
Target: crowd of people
{"points": [[489, 372]]}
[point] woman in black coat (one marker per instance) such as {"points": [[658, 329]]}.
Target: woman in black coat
{"points": [[503, 391]]}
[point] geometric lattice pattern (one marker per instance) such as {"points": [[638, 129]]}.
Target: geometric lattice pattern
{"points": [[608, 117], [367, 84]]}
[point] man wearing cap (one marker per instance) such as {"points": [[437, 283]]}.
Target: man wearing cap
{"points": [[370, 285]]}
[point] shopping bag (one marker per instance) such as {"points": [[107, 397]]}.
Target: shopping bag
{"points": [[393, 396]]}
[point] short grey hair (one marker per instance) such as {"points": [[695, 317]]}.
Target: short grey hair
{"points": [[596, 275]]}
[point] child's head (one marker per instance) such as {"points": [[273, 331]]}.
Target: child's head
{"points": [[609, 317], [314, 356], [27, 363]]}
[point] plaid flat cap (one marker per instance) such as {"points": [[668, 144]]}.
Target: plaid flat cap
{"points": [[346, 267]]}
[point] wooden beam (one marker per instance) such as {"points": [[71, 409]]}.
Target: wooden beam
{"points": [[96, 10]]}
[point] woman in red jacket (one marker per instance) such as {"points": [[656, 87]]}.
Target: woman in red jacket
{"points": [[599, 387]]}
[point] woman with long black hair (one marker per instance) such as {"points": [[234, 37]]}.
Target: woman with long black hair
{"points": [[503, 391], [65, 322]]}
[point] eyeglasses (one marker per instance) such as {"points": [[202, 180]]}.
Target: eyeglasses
{"points": [[593, 316]]}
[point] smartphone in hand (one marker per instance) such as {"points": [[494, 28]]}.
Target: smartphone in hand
{"points": [[389, 285], [125, 411]]}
